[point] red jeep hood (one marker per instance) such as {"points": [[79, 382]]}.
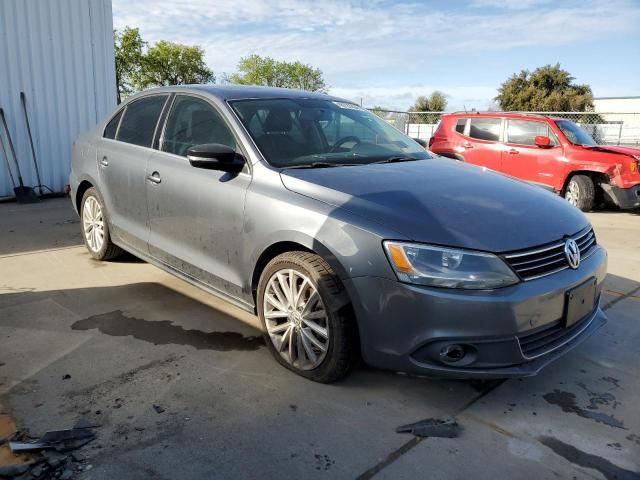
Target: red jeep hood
{"points": [[634, 152]]}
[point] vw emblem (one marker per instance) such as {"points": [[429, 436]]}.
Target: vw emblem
{"points": [[572, 252]]}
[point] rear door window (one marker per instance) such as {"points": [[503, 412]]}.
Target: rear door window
{"points": [[485, 128], [193, 121], [140, 119], [523, 132]]}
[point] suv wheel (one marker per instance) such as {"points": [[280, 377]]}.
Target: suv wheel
{"points": [[580, 192], [307, 317], [95, 229]]}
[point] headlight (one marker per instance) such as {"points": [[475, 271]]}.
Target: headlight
{"points": [[448, 267]]}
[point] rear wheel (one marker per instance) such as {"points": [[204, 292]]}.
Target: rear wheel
{"points": [[95, 229], [580, 192], [307, 317]]}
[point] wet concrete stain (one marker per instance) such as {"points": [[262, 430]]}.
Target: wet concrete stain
{"points": [[567, 401], [596, 399], [587, 460], [634, 438], [118, 324]]}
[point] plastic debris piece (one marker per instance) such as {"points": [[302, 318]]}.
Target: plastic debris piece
{"points": [[446, 427]]}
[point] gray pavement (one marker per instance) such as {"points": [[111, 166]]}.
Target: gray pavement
{"points": [[132, 337]]}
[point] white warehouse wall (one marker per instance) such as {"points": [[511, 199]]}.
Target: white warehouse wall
{"points": [[60, 53]]}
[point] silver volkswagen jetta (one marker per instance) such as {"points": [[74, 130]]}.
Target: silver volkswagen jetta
{"points": [[345, 236]]}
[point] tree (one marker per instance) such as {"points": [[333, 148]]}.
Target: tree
{"points": [[547, 88], [379, 111], [436, 102], [168, 63], [128, 56], [265, 71]]}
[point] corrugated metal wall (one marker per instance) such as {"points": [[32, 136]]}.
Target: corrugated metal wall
{"points": [[60, 53]]}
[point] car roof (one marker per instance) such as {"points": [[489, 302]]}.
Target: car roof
{"points": [[244, 92], [520, 115]]}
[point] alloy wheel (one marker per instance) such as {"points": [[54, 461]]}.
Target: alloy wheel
{"points": [[93, 224], [296, 319], [572, 194]]}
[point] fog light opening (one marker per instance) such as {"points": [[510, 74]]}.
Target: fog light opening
{"points": [[453, 353]]}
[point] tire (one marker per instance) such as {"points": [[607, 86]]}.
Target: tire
{"points": [[100, 249], [309, 273], [580, 192]]}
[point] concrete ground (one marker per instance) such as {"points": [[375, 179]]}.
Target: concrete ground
{"points": [[183, 390]]}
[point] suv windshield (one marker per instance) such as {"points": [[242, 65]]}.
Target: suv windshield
{"points": [[574, 133], [310, 132]]}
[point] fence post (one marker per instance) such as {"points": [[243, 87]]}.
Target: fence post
{"points": [[620, 132]]}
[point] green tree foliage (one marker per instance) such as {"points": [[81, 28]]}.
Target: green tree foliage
{"points": [[547, 88], [378, 110], [168, 63], [164, 63], [265, 71], [436, 102], [128, 53]]}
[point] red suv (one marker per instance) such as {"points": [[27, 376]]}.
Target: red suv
{"points": [[554, 153]]}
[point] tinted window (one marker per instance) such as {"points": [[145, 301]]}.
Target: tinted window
{"points": [[485, 128], [462, 122], [193, 121], [523, 132], [140, 118], [112, 127]]}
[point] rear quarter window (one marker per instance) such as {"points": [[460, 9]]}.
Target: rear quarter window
{"points": [[112, 127], [461, 124]]}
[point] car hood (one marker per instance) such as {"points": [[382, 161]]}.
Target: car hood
{"points": [[634, 152], [444, 202]]}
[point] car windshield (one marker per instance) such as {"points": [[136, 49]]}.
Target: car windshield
{"points": [[311, 133], [574, 133]]}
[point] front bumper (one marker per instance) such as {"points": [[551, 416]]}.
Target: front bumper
{"points": [[625, 198], [512, 331]]}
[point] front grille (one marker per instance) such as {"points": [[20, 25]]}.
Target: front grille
{"points": [[541, 341], [547, 259]]}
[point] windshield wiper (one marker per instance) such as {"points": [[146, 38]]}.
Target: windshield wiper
{"points": [[396, 160], [323, 165]]}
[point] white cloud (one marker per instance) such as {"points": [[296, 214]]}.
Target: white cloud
{"points": [[379, 44]]}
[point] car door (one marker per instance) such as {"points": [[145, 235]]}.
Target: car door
{"points": [[195, 214], [122, 162], [479, 142], [522, 158]]}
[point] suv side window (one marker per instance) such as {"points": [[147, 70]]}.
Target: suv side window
{"points": [[193, 121], [112, 127], [460, 125], [485, 128], [523, 132], [138, 124]]}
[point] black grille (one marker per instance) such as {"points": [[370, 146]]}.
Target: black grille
{"points": [[547, 259], [543, 340]]}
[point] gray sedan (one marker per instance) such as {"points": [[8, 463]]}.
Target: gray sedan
{"points": [[345, 237]]}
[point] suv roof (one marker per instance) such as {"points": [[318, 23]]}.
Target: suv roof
{"points": [[502, 114]]}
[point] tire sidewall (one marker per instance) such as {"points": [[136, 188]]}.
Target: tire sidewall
{"points": [[335, 316]]}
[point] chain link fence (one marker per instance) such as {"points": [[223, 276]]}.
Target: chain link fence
{"points": [[608, 128]]}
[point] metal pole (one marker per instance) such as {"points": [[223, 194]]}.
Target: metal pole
{"points": [[33, 150], [6, 157], [620, 132]]}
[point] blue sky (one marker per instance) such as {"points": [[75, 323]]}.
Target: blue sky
{"points": [[388, 52]]}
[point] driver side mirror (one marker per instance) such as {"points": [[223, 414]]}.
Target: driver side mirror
{"points": [[542, 141], [215, 156]]}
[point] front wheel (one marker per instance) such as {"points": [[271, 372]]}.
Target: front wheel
{"points": [[580, 192], [306, 316]]}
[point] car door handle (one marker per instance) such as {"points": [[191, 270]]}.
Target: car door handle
{"points": [[104, 162], [154, 178], [513, 151], [467, 145]]}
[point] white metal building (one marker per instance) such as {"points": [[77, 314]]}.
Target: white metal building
{"points": [[60, 54]]}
